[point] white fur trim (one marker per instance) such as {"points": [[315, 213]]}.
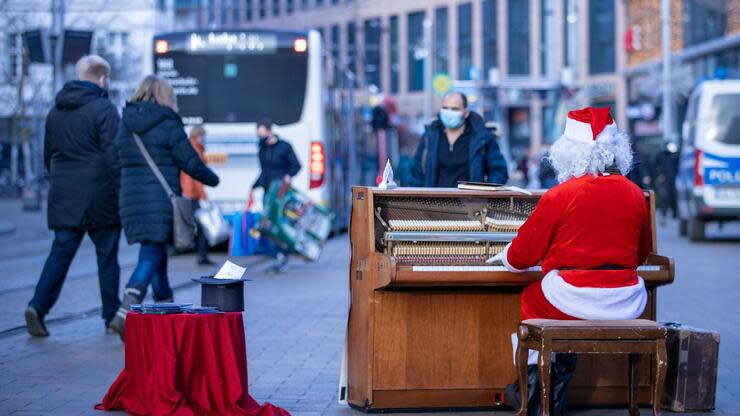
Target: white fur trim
{"points": [[508, 265], [627, 302], [578, 131]]}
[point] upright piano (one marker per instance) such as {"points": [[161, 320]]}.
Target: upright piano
{"points": [[430, 323]]}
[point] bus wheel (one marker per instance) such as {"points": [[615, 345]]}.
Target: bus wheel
{"points": [[696, 229], [683, 226]]}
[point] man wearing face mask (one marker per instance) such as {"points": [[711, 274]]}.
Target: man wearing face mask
{"points": [[457, 147], [277, 158], [278, 163]]}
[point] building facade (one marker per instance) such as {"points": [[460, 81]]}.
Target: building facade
{"points": [[122, 33], [705, 44], [529, 60]]}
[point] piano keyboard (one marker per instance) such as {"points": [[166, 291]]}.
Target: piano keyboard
{"points": [[645, 268]]}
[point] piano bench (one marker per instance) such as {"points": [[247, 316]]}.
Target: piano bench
{"points": [[635, 337]]}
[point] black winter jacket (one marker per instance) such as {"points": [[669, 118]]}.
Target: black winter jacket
{"points": [[146, 212], [81, 158], [276, 161], [485, 161]]}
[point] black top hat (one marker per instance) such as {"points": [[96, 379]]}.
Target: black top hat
{"points": [[225, 294]]}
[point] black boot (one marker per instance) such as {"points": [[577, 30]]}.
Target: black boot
{"points": [[512, 393], [562, 371]]}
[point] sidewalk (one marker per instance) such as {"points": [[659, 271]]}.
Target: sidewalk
{"points": [[25, 250], [295, 328]]}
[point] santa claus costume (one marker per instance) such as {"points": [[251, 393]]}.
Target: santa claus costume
{"points": [[589, 233]]}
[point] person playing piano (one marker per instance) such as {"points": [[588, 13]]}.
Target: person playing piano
{"points": [[589, 233]]}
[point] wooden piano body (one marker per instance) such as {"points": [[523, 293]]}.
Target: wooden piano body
{"points": [[434, 330]]}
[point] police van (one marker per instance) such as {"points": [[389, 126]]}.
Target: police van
{"points": [[708, 180]]}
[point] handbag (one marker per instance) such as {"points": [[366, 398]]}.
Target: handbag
{"points": [[212, 223], [184, 228]]}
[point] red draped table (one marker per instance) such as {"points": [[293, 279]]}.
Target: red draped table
{"points": [[185, 364]]}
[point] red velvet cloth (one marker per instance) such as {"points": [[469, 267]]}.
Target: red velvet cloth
{"points": [[185, 364]]}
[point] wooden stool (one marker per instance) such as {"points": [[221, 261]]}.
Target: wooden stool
{"points": [[633, 337]]}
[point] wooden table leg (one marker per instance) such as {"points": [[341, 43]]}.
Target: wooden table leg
{"points": [[634, 406], [545, 363], [661, 364], [522, 355]]}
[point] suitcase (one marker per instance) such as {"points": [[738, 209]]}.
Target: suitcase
{"points": [[691, 379]]}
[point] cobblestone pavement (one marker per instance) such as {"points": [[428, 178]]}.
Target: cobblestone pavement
{"points": [[295, 326]]}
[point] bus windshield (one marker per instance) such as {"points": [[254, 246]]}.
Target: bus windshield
{"points": [[218, 80]]}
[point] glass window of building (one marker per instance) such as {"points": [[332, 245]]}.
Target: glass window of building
{"points": [[248, 9], [15, 55], [464, 40], [703, 20], [236, 12], [352, 47], [394, 65], [547, 37], [276, 7], [441, 42], [372, 52], [335, 53], [289, 6], [490, 36], [263, 9], [211, 13], [518, 34], [319, 3], [571, 32], [415, 48], [334, 2], [224, 13], [602, 57], [186, 4], [304, 4]]}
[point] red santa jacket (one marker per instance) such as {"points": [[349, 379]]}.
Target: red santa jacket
{"points": [[589, 234]]}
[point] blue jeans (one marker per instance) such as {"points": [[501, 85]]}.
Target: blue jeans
{"points": [[63, 250], [152, 268]]}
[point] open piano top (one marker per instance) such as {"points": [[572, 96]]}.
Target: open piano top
{"points": [[442, 237]]}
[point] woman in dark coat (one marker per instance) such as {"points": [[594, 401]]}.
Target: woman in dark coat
{"points": [[146, 211]]}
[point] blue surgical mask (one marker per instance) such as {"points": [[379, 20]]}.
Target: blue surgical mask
{"points": [[451, 119]]}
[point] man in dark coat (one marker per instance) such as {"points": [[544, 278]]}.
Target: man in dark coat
{"points": [[83, 166], [277, 158], [278, 163], [458, 147]]}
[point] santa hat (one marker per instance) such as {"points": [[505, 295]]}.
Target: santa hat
{"points": [[589, 124], [591, 144]]}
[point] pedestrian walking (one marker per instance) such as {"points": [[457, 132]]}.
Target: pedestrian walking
{"points": [[667, 169], [81, 158], [146, 211], [458, 147], [278, 162], [193, 189]]}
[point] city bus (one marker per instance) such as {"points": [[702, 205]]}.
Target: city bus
{"points": [[227, 80]]}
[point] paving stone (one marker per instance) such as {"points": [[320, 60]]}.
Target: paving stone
{"points": [[295, 327]]}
